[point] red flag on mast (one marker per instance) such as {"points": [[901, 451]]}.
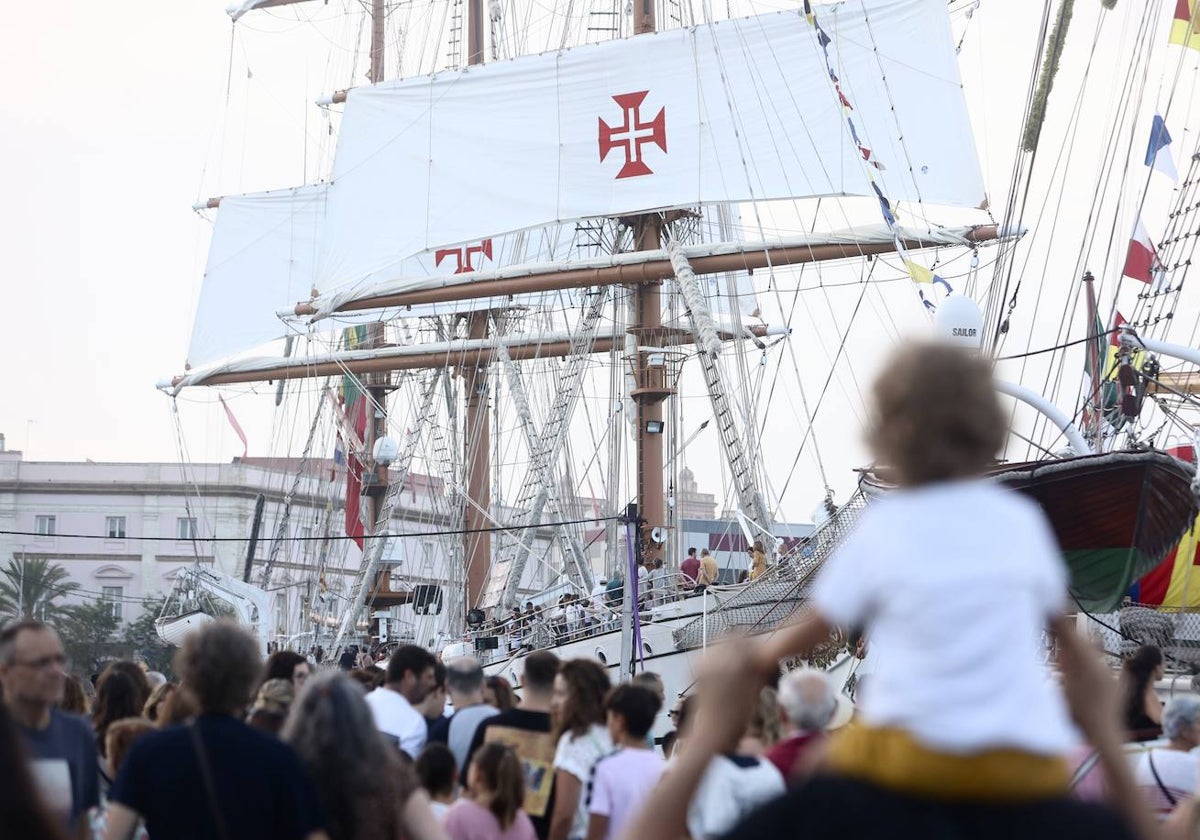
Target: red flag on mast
{"points": [[354, 468], [237, 427], [1141, 260]]}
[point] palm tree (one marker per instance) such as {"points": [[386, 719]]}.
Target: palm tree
{"points": [[29, 588]]}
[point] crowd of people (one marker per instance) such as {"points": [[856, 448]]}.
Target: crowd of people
{"points": [[960, 733], [423, 749]]}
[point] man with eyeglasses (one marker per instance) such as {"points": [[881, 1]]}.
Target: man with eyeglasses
{"points": [[60, 745]]}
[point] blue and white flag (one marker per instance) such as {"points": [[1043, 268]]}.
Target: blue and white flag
{"points": [[1158, 153]]}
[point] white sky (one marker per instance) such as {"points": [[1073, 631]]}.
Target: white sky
{"points": [[115, 121]]}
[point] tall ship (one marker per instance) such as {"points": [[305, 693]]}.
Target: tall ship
{"points": [[565, 266]]}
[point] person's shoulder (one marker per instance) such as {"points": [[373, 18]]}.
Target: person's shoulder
{"points": [[158, 745], [519, 719], [524, 827], [527, 719], [616, 762], [71, 725], [255, 742], [478, 714], [462, 810]]}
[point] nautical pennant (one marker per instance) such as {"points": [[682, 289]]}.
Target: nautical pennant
{"points": [[1114, 338], [1158, 152], [237, 427], [1141, 260], [1185, 29], [354, 470], [920, 275], [356, 406]]}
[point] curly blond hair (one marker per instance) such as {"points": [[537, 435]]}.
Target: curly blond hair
{"points": [[936, 416]]}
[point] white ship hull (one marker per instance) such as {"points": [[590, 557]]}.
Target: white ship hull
{"points": [[173, 630], [660, 655]]}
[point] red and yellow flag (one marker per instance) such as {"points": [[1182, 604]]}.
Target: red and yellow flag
{"points": [[1185, 29]]}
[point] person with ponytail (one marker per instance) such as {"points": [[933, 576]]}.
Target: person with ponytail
{"points": [[491, 810]]}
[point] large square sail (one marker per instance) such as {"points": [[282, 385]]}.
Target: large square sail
{"points": [[739, 110]]}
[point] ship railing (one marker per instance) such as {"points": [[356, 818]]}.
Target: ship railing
{"points": [[547, 630]]}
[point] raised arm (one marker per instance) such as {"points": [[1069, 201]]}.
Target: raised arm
{"points": [[796, 639], [567, 789], [1095, 703]]}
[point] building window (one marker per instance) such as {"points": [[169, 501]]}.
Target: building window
{"points": [[111, 597], [186, 528], [307, 543], [114, 527], [46, 526]]}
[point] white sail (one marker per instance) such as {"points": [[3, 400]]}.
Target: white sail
{"points": [[263, 254], [734, 111], [263, 258]]}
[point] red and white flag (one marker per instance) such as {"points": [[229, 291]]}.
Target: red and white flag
{"points": [[1141, 260], [1114, 338], [237, 427]]}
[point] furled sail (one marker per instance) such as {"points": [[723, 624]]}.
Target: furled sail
{"points": [[739, 110], [263, 258]]}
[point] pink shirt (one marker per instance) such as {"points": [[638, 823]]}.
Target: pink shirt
{"points": [[468, 820], [621, 782]]}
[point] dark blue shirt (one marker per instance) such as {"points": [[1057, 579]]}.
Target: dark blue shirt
{"points": [[69, 741], [262, 789]]}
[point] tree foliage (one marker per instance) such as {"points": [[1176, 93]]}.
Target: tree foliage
{"points": [[32, 588], [142, 639], [88, 633]]}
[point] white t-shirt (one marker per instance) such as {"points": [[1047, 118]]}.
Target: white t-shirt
{"points": [[954, 582], [731, 788], [1178, 771], [578, 756], [395, 716], [621, 782]]}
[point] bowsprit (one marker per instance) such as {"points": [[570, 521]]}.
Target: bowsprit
{"points": [[633, 133]]}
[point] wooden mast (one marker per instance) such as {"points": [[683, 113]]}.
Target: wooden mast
{"points": [[374, 480], [477, 543], [652, 385]]}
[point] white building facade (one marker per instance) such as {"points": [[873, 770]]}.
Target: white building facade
{"points": [[122, 531]]}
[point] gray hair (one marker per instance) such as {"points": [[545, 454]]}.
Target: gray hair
{"points": [[1181, 713], [807, 698], [464, 675], [331, 729], [220, 665], [8, 637]]}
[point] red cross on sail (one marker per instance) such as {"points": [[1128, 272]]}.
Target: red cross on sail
{"points": [[462, 256], [632, 134]]}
